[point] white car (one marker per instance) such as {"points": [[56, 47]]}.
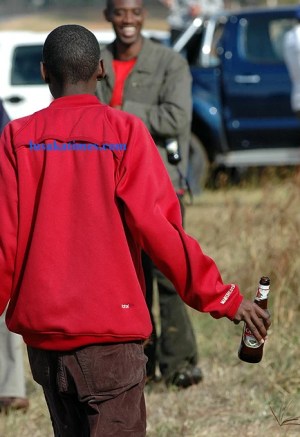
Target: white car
{"points": [[21, 87]]}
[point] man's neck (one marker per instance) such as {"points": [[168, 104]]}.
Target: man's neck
{"points": [[74, 89], [126, 52]]}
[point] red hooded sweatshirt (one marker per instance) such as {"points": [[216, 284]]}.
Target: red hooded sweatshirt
{"points": [[76, 209]]}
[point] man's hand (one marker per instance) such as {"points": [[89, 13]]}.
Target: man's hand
{"points": [[195, 10], [257, 319]]}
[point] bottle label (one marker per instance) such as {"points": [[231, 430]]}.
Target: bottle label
{"points": [[262, 292], [249, 339]]}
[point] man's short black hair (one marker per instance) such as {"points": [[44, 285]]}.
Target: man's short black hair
{"points": [[71, 53], [110, 4]]}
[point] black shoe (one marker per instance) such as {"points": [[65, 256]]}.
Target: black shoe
{"points": [[153, 379], [187, 377]]}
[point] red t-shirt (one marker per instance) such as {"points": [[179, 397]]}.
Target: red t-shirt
{"points": [[122, 70]]}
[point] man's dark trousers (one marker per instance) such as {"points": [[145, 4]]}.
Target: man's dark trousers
{"points": [[176, 348], [95, 390]]}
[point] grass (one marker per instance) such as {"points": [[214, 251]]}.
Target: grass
{"points": [[250, 231]]}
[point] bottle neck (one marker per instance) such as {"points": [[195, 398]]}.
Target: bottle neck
{"points": [[262, 292]]}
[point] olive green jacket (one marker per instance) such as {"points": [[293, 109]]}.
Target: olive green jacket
{"points": [[158, 90]]}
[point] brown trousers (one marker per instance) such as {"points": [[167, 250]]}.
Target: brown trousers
{"points": [[95, 391]]}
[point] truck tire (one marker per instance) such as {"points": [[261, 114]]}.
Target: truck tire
{"points": [[224, 177], [198, 165]]}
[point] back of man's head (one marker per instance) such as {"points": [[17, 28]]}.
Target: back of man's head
{"points": [[71, 54]]}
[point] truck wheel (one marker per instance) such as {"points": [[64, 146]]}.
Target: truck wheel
{"points": [[198, 165], [223, 177]]}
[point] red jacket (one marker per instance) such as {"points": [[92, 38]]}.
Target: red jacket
{"points": [[73, 223]]}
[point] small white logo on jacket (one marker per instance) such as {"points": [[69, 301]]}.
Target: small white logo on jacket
{"points": [[227, 295]]}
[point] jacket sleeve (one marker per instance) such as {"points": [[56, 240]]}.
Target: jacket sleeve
{"points": [[8, 217], [172, 114], [152, 214]]}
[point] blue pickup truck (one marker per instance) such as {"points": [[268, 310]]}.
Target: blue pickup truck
{"points": [[242, 115]]}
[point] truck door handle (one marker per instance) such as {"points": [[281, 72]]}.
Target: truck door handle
{"points": [[250, 78], [14, 99]]}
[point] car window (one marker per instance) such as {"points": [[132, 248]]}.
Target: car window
{"points": [[193, 47], [216, 49], [210, 48], [262, 38], [26, 65]]}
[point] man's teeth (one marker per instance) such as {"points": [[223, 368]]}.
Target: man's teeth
{"points": [[128, 31]]}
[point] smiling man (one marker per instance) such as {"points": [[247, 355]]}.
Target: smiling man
{"points": [[127, 18], [153, 82]]}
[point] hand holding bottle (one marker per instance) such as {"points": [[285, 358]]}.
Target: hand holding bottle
{"points": [[257, 319], [257, 322]]}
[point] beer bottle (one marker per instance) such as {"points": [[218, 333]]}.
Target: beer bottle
{"points": [[250, 349]]}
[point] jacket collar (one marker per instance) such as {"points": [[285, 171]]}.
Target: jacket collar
{"points": [[75, 100]]}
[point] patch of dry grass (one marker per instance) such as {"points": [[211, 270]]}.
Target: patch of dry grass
{"points": [[250, 232]]}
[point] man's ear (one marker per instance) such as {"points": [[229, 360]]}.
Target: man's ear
{"points": [[101, 70], [44, 73], [107, 15]]}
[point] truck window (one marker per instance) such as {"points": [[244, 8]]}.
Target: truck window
{"points": [[262, 38], [192, 48], [26, 65], [216, 49], [211, 48]]}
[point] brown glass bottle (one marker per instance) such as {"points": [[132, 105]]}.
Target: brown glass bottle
{"points": [[250, 350]]}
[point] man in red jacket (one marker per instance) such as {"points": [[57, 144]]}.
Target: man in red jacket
{"points": [[82, 190]]}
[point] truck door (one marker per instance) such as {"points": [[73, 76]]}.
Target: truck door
{"points": [[206, 71], [256, 84]]}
